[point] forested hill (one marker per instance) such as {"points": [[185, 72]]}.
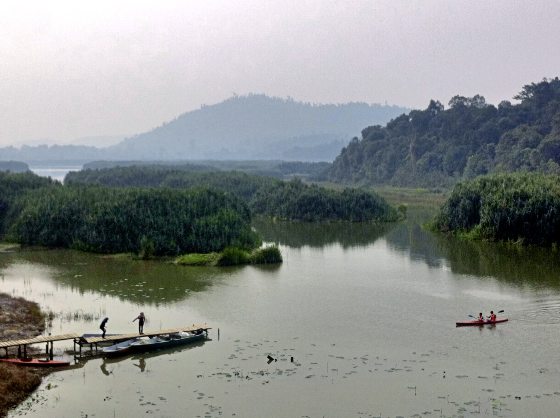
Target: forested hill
{"points": [[256, 127], [438, 146]]}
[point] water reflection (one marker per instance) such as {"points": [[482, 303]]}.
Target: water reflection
{"points": [[410, 238], [299, 234], [520, 266], [146, 282], [138, 360], [534, 267]]}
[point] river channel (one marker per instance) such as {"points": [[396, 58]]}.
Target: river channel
{"points": [[366, 312]]}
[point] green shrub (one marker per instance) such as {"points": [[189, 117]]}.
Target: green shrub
{"points": [[147, 248], [267, 255], [233, 256]]}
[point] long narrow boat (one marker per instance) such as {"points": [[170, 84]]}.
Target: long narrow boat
{"points": [[142, 344], [34, 362], [477, 323], [171, 340]]}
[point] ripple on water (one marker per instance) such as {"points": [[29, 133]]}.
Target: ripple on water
{"points": [[542, 311]]}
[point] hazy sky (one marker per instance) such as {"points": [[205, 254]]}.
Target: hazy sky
{"points": [[72, 69]]}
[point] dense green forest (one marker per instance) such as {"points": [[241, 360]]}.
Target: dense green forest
{"points": [[521, 207], [109, 220], [291, 200], [438, 147], [13, 185]]}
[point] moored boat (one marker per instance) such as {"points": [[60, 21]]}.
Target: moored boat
{"points": [[171, 340], [477, 323], [118, 349], [34, 362], [142, 344]]}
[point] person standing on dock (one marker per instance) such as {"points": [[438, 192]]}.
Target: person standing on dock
{"points": [[102, 327], [141, 319]]}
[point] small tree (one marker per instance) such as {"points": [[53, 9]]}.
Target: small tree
{"points": [[147, 248]]}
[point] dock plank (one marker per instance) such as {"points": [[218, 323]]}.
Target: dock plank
{"points": [[37, 340]]}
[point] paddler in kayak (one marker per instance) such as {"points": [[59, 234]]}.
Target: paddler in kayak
{"points": [[480, 317], [492, 317]]}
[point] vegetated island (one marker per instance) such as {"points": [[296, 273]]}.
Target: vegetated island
{"points": [[148, 222], [523, 208], [232, 256], [287, 200], [19, 319]]}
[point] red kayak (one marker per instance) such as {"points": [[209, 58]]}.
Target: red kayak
{"points": [[477, 323], [34, 362]]}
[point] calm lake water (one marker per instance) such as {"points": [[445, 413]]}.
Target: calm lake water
{"points": [[367, 313]]}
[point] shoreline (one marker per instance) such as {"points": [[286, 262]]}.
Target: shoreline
{"points": [[19, 318]]}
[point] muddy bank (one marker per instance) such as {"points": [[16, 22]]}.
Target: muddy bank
{"points": [[19, 318]]}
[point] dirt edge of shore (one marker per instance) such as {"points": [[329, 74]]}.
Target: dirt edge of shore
{"points": [[19, 318]]}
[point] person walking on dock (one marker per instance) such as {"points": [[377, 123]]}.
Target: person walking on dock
{"points": [[141, 319], [102, 327]]}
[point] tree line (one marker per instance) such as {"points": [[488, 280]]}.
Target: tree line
{"points": [[290, 200], [438, 146]]}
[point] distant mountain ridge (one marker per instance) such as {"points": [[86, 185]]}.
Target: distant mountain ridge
{"points": [[257, 126], [248, 127]]}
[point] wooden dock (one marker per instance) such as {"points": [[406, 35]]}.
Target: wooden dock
{"points": [[23, 343], [92, 342], [121, 337]]}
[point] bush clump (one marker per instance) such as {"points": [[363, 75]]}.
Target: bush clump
{"points": [[267, 255], [232, 256], [522, 208]]}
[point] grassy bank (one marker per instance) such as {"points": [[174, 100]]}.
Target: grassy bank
{"points": [[232, 257], [8, 246], [420, 198], [19, 318]]}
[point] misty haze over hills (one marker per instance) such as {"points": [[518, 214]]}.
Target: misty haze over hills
{"points": [[239, 128]]}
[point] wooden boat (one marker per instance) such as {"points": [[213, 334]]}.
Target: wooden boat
{"points": [[119, 349], [147, 355], [34, 362], [171, 340], [142, 344]]}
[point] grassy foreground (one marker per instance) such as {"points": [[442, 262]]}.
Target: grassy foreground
{"points": [[19, 318], [232, 257]]}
